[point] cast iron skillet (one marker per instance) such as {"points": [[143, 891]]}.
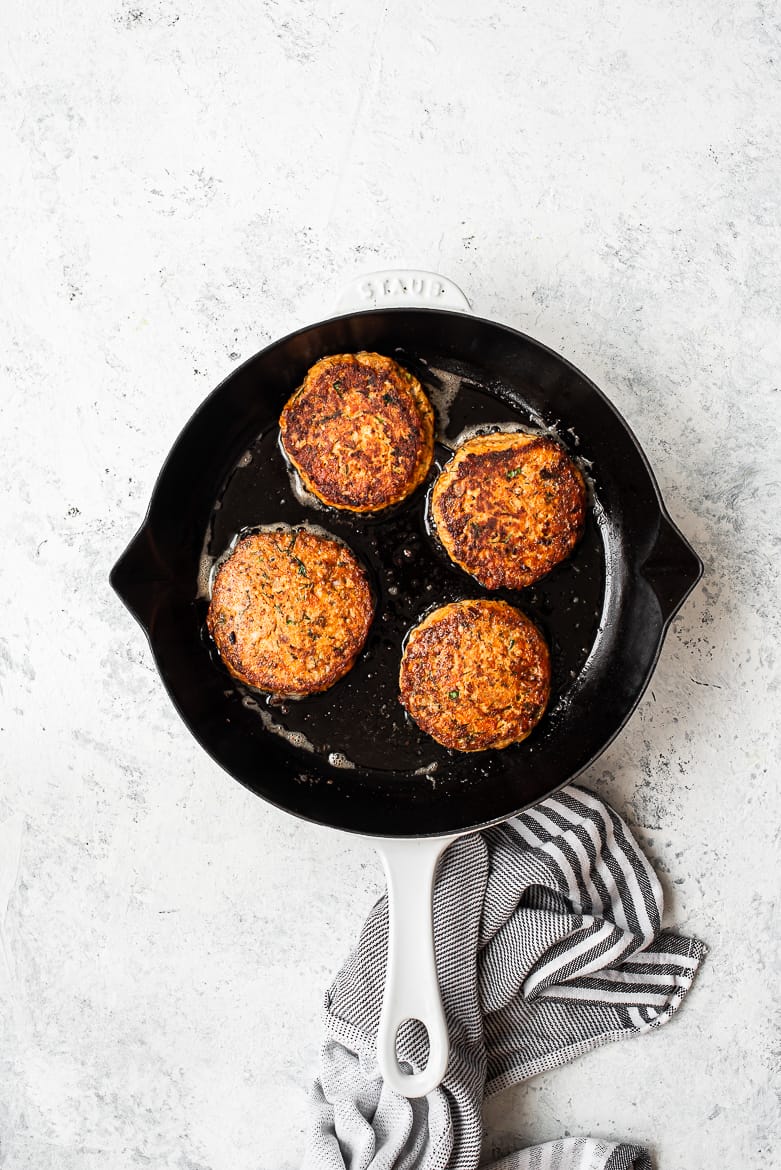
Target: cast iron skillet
{"points": [[350, 758]]}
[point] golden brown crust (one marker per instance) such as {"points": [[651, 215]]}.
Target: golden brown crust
{"points": [[290, 611], [508, 507], [476, 675], [359, 431]]}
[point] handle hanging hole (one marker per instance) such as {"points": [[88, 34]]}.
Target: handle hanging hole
{"points": [[412, 1043]]}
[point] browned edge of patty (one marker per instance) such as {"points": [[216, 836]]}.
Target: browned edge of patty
{"points": [[290, 610], [508, 507], [359, 431], [476, 675]]}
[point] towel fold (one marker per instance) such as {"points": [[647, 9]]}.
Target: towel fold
{"points": [[549, 943]]}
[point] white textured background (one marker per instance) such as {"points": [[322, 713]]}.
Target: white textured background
{"points": [[181, 183]]}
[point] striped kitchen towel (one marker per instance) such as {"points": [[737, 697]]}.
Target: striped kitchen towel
{"points": [[549, 942]]}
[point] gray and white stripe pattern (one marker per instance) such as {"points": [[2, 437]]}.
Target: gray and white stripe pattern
{"points": [[549, 943], [577, 1154]]}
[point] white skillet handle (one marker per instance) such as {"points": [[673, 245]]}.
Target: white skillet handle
{"points": [[411, 985], [402, 288]]}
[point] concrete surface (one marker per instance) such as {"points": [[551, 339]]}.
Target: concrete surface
{"points": [[185, 182]]}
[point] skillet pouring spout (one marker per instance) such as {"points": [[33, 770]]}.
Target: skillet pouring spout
{"points": [[672, 568], [141, 578]]}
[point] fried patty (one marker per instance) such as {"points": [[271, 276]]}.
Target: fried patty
{"points": [[508, 507], [359, 431], [290, 611], [476, 675]]}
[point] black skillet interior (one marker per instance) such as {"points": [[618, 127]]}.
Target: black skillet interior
{"points": [[350, 757]]}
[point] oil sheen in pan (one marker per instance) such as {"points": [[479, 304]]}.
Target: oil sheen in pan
{"points": [[360, 720]]}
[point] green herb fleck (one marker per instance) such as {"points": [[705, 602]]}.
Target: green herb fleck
{"points": [[293, 557], [516, 471], [512, 643], [338, 386], [387, 399], [453, 694]]}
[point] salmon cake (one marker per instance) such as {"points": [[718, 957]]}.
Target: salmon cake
{"points": [[508, 507], [290, 611], [359, 432], [476, 675]]}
